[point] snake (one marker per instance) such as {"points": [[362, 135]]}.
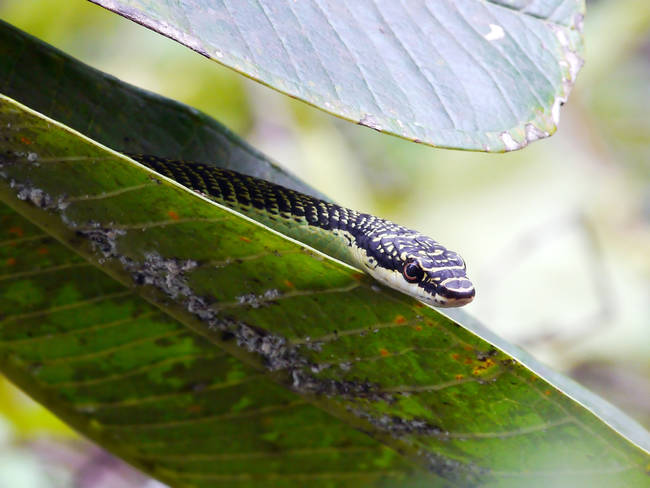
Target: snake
{"points": [[398, 257]]}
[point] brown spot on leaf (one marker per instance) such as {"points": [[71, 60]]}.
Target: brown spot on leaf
{"points": [[24, 140], [384, 352], [43, 251], [289, 284], [547, 392], [400, 319], [245, 239], [418, 328], [459, 377], [10, 261], [173, 215], [18, 231]]}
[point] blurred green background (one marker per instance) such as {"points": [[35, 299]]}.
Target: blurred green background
{"points": [[556, 237]]}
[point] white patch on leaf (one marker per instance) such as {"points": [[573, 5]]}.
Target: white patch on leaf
{"points": [[496, 33]]}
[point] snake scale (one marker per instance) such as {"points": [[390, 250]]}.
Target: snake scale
{"points": [[398, 257]]}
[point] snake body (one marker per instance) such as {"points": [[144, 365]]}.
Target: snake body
{"points": [[401, 258]]}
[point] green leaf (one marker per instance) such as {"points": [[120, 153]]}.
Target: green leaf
{"points": [[85, 99], [469, 74], [206, 349]]}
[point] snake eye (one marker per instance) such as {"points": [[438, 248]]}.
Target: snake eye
{"points": [[412, 271]]}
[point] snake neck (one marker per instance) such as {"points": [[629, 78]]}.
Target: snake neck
{"points": [[337, 231]]}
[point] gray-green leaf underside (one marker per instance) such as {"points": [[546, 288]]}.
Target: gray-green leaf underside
{"points": [[210, 351], [469, 74]]}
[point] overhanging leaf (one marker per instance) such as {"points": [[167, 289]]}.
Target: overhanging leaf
{"points": [[470, 74], [220, 383]]}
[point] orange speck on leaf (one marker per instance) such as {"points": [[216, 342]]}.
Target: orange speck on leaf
{"points": [[459, 377], [194, 408], [11, 261], [547, 392], [18, 231], [468, 361], [43, 251], [468, 348], [245, 239], [384, 352], [24, 140], [400, 319], [173, 215], [289, 284], [418, 328], [455, 356]]}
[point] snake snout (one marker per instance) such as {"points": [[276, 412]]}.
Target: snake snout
{"points": [[457, 291]]}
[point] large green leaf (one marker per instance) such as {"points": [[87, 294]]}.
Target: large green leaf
{"points": [[206, 349], [471, 74]]}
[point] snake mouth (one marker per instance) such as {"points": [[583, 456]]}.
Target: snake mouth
{"points": [[455, 293]]}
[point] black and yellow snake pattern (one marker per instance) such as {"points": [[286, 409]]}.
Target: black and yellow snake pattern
{"points": [[401, 258]]}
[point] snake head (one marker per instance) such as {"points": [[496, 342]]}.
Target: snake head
{"points": [[417, 265], [441, 279]]}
